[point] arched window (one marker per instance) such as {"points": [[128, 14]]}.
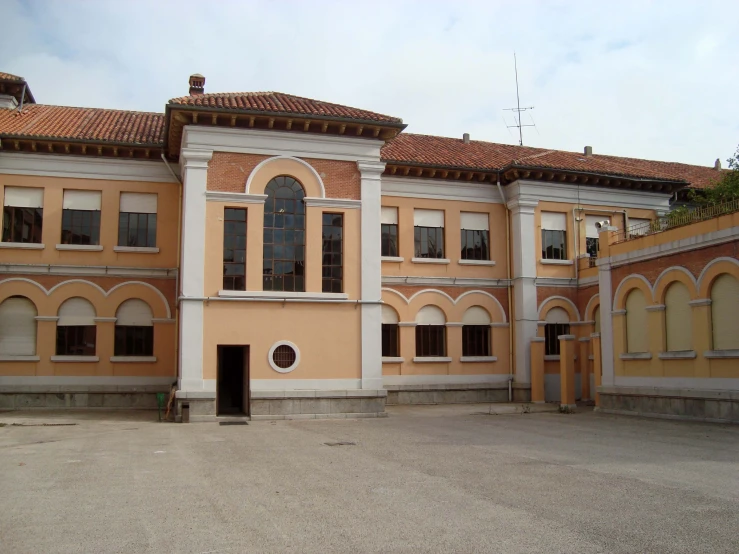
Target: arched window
{"points": [[596, 317], [636, 322], [558, 323], [678, 318], [725, 312], [430, 332], [476, 332], [134, 330], [390, 332], [284, 236], [75, 330], [18, 327]]}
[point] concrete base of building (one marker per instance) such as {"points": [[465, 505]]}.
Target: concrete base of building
{"points": [[446, 394], [34, 397], [300, 404], [713, 406]]}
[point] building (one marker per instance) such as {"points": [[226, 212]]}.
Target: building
{"points": [[278, 256]]}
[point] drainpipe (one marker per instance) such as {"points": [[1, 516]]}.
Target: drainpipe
{"points": [[511, 328], [23, 95]]}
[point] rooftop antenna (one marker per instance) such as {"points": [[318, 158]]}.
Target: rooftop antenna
{"points": [[518, 109]]}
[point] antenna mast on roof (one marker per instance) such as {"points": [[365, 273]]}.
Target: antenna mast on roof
{"points": [[518, 109]]}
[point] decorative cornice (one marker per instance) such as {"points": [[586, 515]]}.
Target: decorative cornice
{"points": [[332, 203], [445, 281], [87, 270], [234, 197]]}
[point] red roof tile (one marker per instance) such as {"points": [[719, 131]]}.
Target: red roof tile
{"points": [[448, 152], [279, 103], [93, 124], [9, 77]]}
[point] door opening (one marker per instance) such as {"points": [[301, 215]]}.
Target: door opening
{"points": [[232, 392]]}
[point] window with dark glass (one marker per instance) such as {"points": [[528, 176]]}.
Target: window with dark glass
{"points": [[430, 340], [476, 340], [134, 341], [389, 233], [591, 246], [551, 333], [22, 224], [23, 214], [475, 245], [81, 217], [333, 238], [234, 249], [429, 242], [137, 230], [553, 245], [75, 340], [284, 236], [390, 340]]}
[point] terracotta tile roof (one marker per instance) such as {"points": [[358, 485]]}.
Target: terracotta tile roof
{"points": [[92, 124], [9, 77], [448, 152], [279, 103]]}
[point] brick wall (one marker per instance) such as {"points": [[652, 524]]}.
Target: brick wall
{"points": [[228, 172], [694, 261]]}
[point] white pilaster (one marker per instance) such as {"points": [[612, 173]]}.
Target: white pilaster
{"points": [[371, 275], [194, 165], [523, 247], [606, 317]]}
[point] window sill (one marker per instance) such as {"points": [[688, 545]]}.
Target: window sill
{"points": [[488, 263], [23, 245], [677, 355], [268, 294], [8, 358], [393, 259], [77, 359], [80, 247], [431, 360], [133, 359], [556, 262], [636, 356], [478, 359], [392, 360], [137, 249], [551, 357], [718, 354], [431, 260]]}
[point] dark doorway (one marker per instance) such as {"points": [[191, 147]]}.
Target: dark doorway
{"points": [[233, 380]]}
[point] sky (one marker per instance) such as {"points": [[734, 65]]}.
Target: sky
{"points": [[647, 79]]}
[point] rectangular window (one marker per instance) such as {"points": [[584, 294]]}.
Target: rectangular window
{"points": [[75, 340], [553, 236], [430, 340], [134, 341], [333, 240], [23, 214], [551, 332], [389, 231], [234, 249], [137, 220], [81, 217], [591, 235], [390, 340], [476, 340], [475, 236], [428, 233]]}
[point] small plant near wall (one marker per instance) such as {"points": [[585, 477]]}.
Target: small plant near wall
{"points": [[726, 188]]}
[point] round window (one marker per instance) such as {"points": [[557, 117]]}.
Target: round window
{"points": [[284, 356]]}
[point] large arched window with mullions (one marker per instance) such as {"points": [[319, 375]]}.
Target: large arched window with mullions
{"points": [[284, 236]]}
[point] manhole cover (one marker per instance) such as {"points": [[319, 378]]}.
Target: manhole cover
{"points": [[340, 443], [233, 423], [42, 424]]}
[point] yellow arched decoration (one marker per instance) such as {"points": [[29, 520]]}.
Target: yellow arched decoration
{"points": [[566, 305], [669, 277], [298, 169], [627, 285], [710, 273]]}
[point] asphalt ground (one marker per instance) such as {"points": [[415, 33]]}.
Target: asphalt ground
{"points": [[425, 479]]}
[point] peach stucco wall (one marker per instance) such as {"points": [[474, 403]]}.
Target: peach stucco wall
{"points": [[167, 223], [327, 335]]}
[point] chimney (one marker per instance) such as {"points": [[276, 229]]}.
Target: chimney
{"points": [[466, 138], [717, 165], [588, 150], [197, 84]]}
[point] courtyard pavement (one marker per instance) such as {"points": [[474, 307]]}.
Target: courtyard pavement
{"points": [[425, 479]]}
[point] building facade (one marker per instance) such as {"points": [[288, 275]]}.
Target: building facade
{"points": [[276, 256]]}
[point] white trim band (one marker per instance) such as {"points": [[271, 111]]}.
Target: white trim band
{"points": [[75, 359], [431, 360], [478, 359]]}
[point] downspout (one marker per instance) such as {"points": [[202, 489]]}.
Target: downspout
{"points": [[23, 96], [511, 328]]}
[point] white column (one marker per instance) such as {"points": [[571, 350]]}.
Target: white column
{"points": [[192, 267], [606, 317], [523, 247], [371, 275]]}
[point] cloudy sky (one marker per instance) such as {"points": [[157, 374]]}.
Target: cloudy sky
{"points": [[646, 79]]}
